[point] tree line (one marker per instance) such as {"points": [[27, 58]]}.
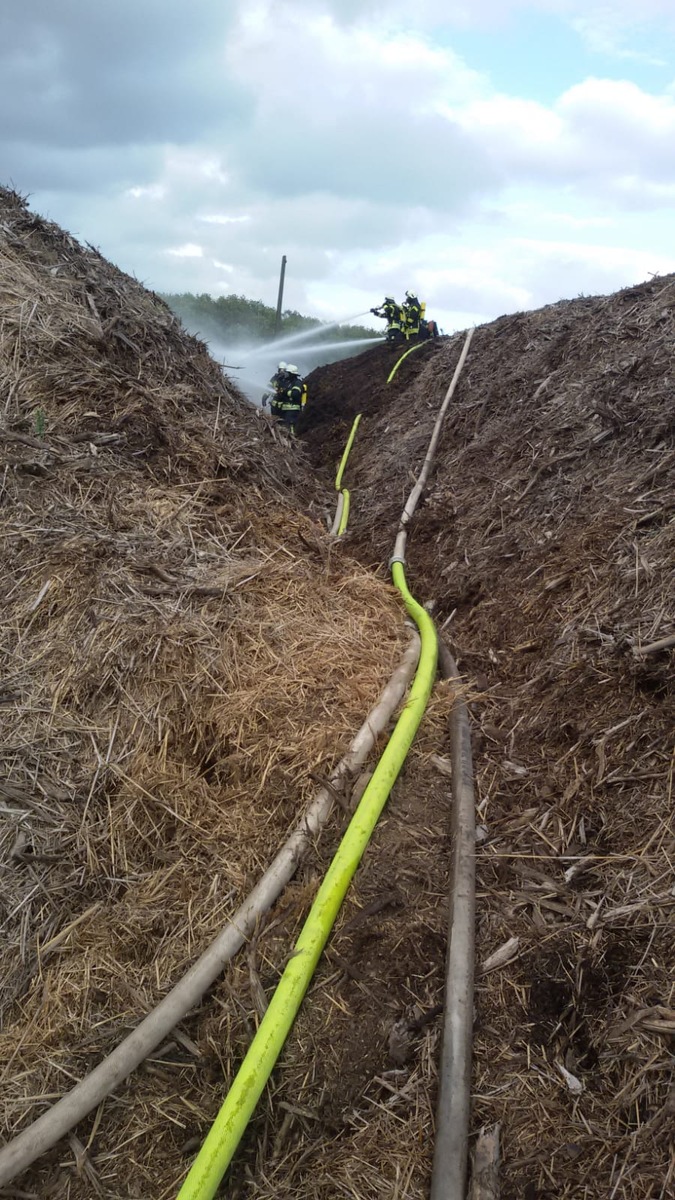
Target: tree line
{"points": [[236, 319]]}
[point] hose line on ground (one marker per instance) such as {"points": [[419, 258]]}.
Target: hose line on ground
{"points": [[415, 494], [347, 452], [222, 1140], [337, 519], [344, 516], [58, 1120], [417, 346], [452, 1113], [342, 512], [228, 1128]]}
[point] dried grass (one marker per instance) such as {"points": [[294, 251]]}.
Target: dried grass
{"points": [[180, 653]]}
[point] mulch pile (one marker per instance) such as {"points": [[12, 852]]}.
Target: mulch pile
{"points": [[182, 650], [546, 547]]}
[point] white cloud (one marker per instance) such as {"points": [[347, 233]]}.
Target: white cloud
{"points": [[155, 191], [223, 219], [598, 16], [189, 250], [600, 134], [361, 113], [350, 136], [602, 36]]}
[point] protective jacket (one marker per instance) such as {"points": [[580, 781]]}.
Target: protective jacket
{"points": [[279, 382], [412, 312], [391, 311], [290, 398]]}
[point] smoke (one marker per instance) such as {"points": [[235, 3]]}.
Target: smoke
{"points": [[251, 364]]}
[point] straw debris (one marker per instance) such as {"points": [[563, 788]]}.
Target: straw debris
{"points": [[547, 546], [182, 650]]}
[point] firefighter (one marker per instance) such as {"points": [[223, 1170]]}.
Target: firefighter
{"points": [[413, 310], [392, 313], [293, 397], [428, 329], [278, 382], [279, 373]]}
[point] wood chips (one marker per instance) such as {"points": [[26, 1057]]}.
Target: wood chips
{"points": [[181, 648], [547, 545]]}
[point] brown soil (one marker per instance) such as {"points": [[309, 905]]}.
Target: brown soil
{"points": [[547, 544], [160, 751]]}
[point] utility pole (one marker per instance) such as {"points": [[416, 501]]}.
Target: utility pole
{"points": [[280, 298]]}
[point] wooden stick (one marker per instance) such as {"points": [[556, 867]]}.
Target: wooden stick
{"points": [[653, 647], [450, 1166], [485, 1178]]}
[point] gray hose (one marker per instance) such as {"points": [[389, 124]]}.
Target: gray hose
{"points": [[449, 1175], [338, 515], [411, 503], [452, 1115]]}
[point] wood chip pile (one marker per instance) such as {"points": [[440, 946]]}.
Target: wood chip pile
{"points": [[547, 544], [180, 650]]}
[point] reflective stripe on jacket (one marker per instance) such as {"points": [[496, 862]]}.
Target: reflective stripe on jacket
{"points": [[291, 398]]}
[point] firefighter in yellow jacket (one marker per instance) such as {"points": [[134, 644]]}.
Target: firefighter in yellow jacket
{"points": [[276, 383], [392, 313], [294, 398], [289, 396], [413, 311]]}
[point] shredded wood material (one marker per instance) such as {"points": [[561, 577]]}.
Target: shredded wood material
{"points": [[182, 650], [548, 545]]}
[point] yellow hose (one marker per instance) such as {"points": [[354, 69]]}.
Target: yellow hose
{"points": [[347, 450], [417, 346], [342, 515], [228, 1128]]}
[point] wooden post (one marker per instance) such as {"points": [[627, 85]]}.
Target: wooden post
{"points": [[280, 297], [485, 1178]]}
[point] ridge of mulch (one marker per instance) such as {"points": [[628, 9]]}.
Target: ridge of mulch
{"points": [[182, 650], [546, 544]]}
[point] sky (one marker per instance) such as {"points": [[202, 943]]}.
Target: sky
{"points": [[492, 155]]}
